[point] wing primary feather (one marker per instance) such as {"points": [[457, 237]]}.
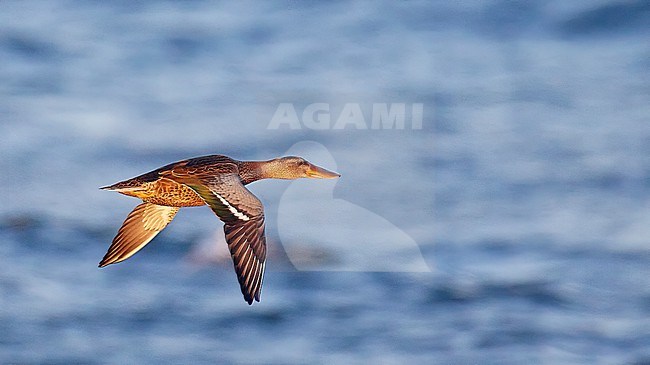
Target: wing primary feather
{"points": [[243, 215], [139, 228]]}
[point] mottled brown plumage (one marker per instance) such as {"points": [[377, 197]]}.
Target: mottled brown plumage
{"points": [[217, 181]]}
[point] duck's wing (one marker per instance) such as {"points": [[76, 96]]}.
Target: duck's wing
{"points": [[139, 228], [243, 217]]}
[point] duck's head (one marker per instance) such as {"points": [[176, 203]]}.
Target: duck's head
{"points": [[293, 167]]}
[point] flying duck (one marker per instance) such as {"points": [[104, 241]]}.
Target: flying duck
{"points": [[218, 181]]}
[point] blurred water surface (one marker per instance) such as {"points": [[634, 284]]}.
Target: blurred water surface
{"points": [[526, 190]]}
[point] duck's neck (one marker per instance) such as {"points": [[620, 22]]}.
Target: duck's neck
{"points": [[250, 171]]}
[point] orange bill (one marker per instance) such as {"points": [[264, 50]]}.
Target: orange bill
{"points": [[316, 172]]}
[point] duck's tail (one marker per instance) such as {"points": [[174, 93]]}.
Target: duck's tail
{"points": [[124, 186]]}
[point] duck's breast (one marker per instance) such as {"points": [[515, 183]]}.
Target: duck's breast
{"points": [[170, 193]]}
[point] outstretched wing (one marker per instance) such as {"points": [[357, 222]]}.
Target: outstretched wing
{"points": [[243, 215], [139, 228]]}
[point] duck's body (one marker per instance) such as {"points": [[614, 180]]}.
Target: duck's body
{"points": [[161, 187], [217, 181]]}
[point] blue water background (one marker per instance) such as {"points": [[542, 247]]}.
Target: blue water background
{"points": [[527, 189]]}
